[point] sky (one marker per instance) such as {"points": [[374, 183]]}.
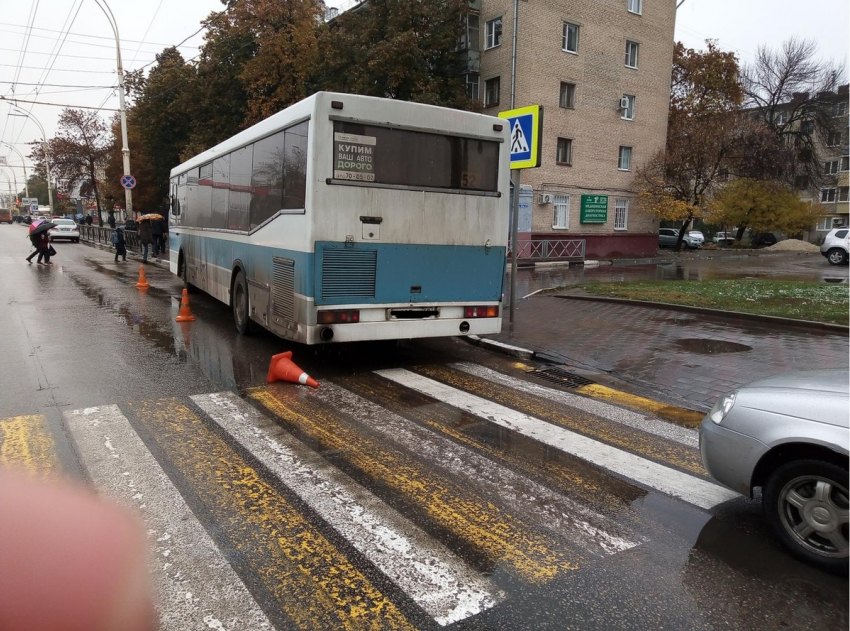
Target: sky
{"points": [[68, 56]]}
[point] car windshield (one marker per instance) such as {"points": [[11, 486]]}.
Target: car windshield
{"points": [[63, 222]]}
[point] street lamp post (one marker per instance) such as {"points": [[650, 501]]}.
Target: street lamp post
{"points": [[23, 163], [29, 115], [125, 149], [15, 178]]}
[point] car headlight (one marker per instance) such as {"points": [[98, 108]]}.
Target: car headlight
{"points": [[722, 407]]}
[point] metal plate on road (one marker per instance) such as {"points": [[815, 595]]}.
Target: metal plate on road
{"points": [[128, 181]]}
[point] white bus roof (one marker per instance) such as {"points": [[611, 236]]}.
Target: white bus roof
{"points": [[455, 122]]}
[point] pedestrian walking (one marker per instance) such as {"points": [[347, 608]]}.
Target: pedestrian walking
{"points": [[145, 237], [120, 243], [110, 219], [88, 220], [156, 234], [41, 243]]}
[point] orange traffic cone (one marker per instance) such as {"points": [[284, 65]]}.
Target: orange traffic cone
{"points": [[281, 368], [143, 282], [185, 314]]}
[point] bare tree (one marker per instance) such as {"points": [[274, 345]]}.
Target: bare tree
{"points": [[793, 93]]}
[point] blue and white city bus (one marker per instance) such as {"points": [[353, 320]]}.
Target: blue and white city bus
{"points": [[346, 218]]}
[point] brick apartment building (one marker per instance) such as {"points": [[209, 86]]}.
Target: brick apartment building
{"points": [[601, 69]]}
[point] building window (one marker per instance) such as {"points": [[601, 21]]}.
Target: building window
{"points": [[494, 33], [827, 195], [570, 40], [627, 105], [830, 167], [843, 192], [634, 6], [845, 163], [568, 95], [833, 139], [561, 216], [621, 214], [807, 127], [472, 81], [781, 118], [470, 39], [828, 223], [841, 108], [491, 92], [632, 54], [625, 161], [565, 151]]}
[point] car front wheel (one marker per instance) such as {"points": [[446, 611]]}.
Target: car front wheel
{"points": [[806, 504], [836, 257]]}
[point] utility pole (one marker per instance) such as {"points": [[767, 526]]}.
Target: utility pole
{"points": [[23, 163], [125, 149], [26, 114]]}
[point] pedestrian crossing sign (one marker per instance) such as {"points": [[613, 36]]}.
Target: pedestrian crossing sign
{"points": [[525, 125]]}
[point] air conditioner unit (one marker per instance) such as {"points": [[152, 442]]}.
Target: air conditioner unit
{"points": [[624, 103], [544, 198], [837, 221]]}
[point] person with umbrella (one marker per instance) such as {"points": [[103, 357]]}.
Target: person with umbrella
{"points": [[41, 241], [145, 236]]}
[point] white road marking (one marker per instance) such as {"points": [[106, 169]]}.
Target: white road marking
{"points": [[652, 474], [643, 422], [121, 467], [434, 577], [571, 519]]}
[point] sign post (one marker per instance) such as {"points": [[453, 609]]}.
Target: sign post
{"points": [[526, 129]]}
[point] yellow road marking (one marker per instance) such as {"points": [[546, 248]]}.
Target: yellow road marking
{"points": [[613, 433], [26, 443], [502, 538], [313, 582], [680, 416], [592, 486]]}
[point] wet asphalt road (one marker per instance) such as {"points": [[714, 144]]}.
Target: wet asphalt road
{"points": [[78, 338]]}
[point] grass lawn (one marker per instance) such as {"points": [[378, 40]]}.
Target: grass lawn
{"points": [[818, 302]]}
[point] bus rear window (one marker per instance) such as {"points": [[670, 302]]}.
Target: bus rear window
{"points": [[400, 157]]}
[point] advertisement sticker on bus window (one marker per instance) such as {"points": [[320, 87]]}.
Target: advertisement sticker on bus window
{"points": [[354, 157]]}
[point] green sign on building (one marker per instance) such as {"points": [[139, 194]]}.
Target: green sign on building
{"points": [[594, 209]]}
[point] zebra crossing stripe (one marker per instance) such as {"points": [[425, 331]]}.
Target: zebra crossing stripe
{"points": [[648, 424], [434, 577], [641, 470], [196, 587]]}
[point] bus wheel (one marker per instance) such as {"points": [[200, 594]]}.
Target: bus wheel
{"points": [[183, 273], [240, 304]]}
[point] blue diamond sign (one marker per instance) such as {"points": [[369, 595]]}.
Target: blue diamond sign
{"points": [[526, 124]]}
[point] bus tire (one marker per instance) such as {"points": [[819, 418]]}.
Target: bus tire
{"points": [[183, 273], [239, 301]]}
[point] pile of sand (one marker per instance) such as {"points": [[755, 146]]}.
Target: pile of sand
{"points": [[794, 245]]}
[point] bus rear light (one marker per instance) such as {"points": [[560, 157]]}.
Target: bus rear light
{"points": [[349, 316], [481, 312]]}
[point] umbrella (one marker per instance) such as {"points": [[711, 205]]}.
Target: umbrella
{"points": [[37, 227], [151, 216]]}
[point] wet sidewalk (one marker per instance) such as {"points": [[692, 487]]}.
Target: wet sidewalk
{"points": [[688, 359]]}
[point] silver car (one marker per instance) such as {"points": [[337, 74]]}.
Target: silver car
{"points": [[789, 435]]}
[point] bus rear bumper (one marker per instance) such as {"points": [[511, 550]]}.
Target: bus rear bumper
{"points": [[402, 329]]}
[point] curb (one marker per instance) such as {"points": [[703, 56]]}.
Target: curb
{"points": [[736, 315], [163, 263], [514, 351]]}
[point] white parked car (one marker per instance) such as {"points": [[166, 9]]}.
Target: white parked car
{"points": [[835, 246], [697, 236], [65, 229], [724, 238]]}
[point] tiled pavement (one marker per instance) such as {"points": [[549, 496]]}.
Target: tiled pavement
{"points": [[690, 357]]}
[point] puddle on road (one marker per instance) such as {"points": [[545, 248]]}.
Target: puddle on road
{"points": [[705, 346]]}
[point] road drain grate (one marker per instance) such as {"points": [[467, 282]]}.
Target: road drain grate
{"points": [[560, 376]]}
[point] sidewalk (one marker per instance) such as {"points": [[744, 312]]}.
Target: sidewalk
{"points": [[687, 359]]}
